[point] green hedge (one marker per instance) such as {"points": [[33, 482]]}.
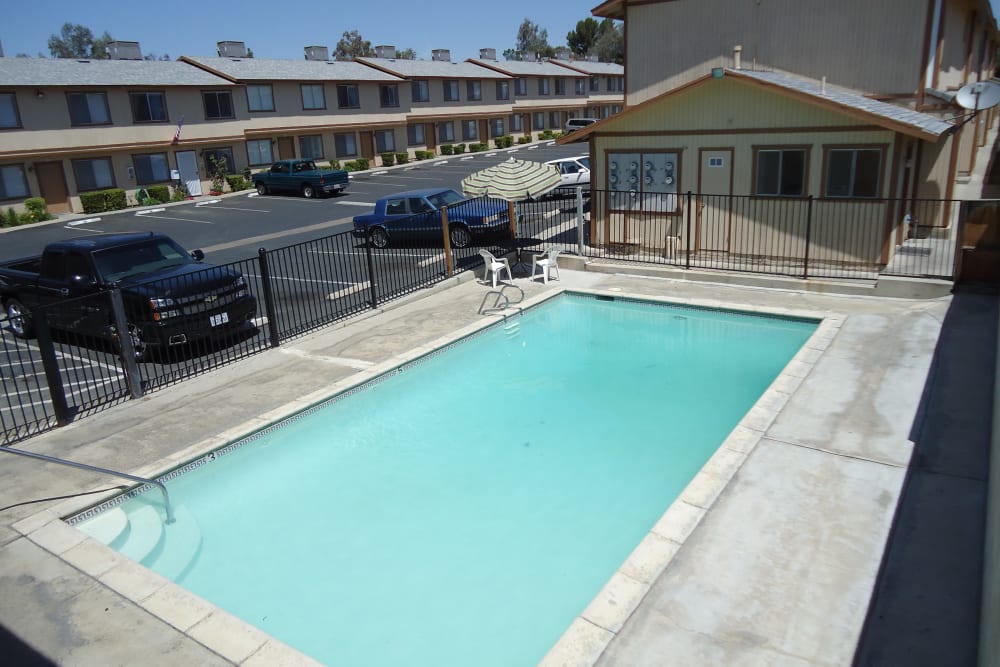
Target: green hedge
{"points": [[423, 155], [402, 158], [526, 139], [237, 182], [388, 159], [447, 149], [160, 193], [459, 148], [356, 165], [103, 200], [35, 210]]}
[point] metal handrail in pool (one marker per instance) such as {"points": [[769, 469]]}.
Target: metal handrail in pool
{"points": [[495, 308], [106, 471]]}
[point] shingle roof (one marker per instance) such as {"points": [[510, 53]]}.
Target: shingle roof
{"points": [[264, 69], [849, 99], [82, 72], [434, 69], [526, 67], [592, 68]]}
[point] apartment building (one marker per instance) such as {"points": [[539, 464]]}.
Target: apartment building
{"points": [[70, 126]]}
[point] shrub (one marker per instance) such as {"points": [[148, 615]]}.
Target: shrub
{"points": [[447, 149], [103, 200], [36, 211], [547, 134], [180, 193], [402, 158], [388, 159], [525, 139], [160, 193], [356, 165], [362, 163], [237, 182], [11, 219], [247, 174], [459, 148], [335, 164]]}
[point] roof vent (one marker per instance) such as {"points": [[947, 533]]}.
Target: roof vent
{"points": [[593, 58], [124, 51], [441, 55], [488, 54], [317, 53], [562, 53], [737, 57], [232, 49], [385, 52]]}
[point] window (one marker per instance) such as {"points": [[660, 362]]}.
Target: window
{"points": [[595, 84], [496, 127], [347, 96], [853, 172], [415, 134], [621, 84], [312, 96], [644, 181], [520, 87], [580, 87], [446, 132], [88, 109], [13, 184], [469, 130], [385, 141], [345, 144], [503, 90], [259, 151], [93, 174], [221, 156], [8, 111], [538, 120], [450, 90], [474, 90], [554, 119], [260, 97], [218, 104], [780, 172], [516, 124], [148, 107], [421, 91], [389, 94], [152, 168], [560, 86], [609, 84], [543, 86], [311, 147]]}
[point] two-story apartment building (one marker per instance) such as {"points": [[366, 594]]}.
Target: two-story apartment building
{"points": [[848, 102], [605, 86]]}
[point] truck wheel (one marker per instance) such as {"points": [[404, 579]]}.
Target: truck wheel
{"points": [[459, 236], [379, 237], [19, 319], [308, 192], [261, 189]]}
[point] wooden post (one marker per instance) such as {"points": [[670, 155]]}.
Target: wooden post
{"points": [[512, 211], [449, 265]]}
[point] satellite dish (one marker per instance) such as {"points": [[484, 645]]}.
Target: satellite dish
{"points": [[978, 96]]}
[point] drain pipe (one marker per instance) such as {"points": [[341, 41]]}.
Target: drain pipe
{"points": [[106, 471]]}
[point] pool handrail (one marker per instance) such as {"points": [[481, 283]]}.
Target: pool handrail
{"points": [[495, 308], [106, 471]]}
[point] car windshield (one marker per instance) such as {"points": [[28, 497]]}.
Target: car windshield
{"points": [[115, 264], [446, 198]]}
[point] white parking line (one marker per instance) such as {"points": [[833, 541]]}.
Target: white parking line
{"points": [[353, 289], [470, 157], [441, 162], [165, 217], [431, 260], [150, 210], [85, 221], [206, 203], [302, 280], [366, 204], [236, 208]]}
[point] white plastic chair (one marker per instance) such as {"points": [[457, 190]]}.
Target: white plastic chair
{"points": [[495, 265], [547, 262]]}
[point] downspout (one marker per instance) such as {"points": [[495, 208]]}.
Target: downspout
{"points": [[930, 49]]}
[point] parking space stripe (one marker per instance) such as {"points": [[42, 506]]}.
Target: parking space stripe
{"points": [[164, 217]]}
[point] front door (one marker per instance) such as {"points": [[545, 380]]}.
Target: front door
{"points": [[430, 140], [286, 148], [52, 186], [715, 186], [187, 166], [367, 145]]}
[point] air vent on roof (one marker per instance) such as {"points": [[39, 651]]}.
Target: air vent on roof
{"points": [[488, 54], [1, 49], [232, 49], [317, 53], [562, 53], [385, 52], [441, 55], [592, 58], [124, 51]]}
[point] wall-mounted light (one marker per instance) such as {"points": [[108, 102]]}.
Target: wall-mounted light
{"points": [[40, 94]]}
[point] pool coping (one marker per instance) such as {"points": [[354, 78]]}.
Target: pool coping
{"points": [[588, 635]]}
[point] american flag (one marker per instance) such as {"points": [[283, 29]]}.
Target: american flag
{"points": [[177, 134]]}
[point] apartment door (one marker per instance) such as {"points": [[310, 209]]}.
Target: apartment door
{"points": [[286, 148], [430, 140], [187, 166], [52, 186], [367, 145], [714, 206]]}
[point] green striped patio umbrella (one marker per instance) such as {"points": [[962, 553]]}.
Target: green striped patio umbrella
{"points": [[512, 180]]}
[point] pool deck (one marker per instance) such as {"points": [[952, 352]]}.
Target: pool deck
{"points": [[770, 557]]}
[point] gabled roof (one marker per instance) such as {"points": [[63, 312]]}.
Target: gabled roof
{"points": [[430, 69], [841, 100], [264, 69], [591, 68], [520, 68], [84, 72]]}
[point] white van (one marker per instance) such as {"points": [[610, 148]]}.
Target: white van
{"points": [[577, 123]]}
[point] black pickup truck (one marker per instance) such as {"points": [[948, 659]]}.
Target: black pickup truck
{"points": [[170, 296]]}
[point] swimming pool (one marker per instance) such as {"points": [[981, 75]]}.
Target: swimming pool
{"points": [[464, 509]]}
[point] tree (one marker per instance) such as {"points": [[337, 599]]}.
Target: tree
{"points": [[153, 56], [77, 41], [581, 40], [406, 54], [610, 43], [531, 41], [351, 45]]}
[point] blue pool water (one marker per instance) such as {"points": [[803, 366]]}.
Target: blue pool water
{"points": [[464, 510]]}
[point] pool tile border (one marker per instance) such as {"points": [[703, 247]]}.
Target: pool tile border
{"points": [[589, 634]]}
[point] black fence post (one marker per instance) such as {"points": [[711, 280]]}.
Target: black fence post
{"points": [[126, 349], [809, 220], [371, 267], [687, 232], [52, 376], [272, 313]]}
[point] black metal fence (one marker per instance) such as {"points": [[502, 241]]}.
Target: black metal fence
{"points": [[296, 289]]}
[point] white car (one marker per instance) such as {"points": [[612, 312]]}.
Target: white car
{"points": [[578, 123], [574, 171]]}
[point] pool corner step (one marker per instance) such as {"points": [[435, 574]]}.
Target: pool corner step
{"points": [[179, 547], [145, 532]]}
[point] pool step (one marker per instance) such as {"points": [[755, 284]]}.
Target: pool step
{"points": [[145, 531], [512, 328], [179, 547], [107, 527]]}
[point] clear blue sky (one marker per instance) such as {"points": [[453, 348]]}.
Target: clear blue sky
{"points": [[280, 29]]}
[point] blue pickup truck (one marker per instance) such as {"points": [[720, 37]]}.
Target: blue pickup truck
{"points": [[415, 215], [300, 177]]}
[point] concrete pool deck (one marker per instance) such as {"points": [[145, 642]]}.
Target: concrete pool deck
{"points": [[770, 557]]}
